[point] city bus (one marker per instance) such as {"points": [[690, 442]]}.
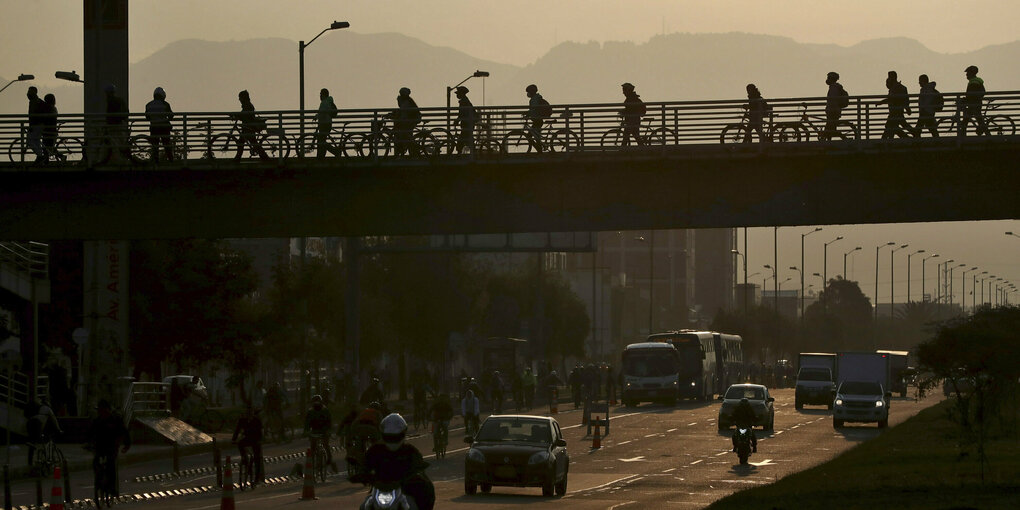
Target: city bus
{"points": [[649, 373], [696, 351], [729, 360]]}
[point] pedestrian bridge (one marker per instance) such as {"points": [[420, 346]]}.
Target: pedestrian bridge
{"points": [[689, 171]]}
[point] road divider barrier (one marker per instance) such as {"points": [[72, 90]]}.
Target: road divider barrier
{"points": [[227, 499], [57, 493], [308, 491]]}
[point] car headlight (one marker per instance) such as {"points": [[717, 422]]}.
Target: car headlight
{"points": [[692, 384], [839, 401], [539, 458], [628, 385], [676, 383], [879, 403], [475, 455]]}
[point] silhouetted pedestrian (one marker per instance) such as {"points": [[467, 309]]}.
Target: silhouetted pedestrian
{"points": [[49, 132], [405, 119], [756, 109], [538, 110], [159, 114], [466, 118], [324, 124], [835, 101], [117, 122], [929, 102], [36, 116], [972, 103], [899, 102], [633, 109], [251, 125]]}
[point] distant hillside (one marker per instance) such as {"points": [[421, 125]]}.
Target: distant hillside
{"points": [[366, 70]]}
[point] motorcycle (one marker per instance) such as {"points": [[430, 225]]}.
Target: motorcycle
{"points": [[389, 495], [743, 444]]}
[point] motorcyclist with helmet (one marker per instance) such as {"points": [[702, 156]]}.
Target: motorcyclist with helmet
{"points": [[393, 461], [744, 417], [318, 422], [373, 393]]}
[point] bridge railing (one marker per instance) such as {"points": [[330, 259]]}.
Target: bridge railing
{"points": [[89, 141]]}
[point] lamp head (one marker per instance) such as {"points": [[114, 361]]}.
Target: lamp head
{"points": [[339, 24], [481, 74], [26, 77], [69, 76]]}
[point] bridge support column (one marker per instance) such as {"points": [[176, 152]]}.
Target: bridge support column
{"points": [[352, 293]]}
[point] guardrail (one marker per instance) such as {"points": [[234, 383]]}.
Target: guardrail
{"points": [[15, 385], [147, 398], [86, 141], [30, 258]]}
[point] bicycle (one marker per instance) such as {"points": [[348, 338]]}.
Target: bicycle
{"points": [[737, 132], [246, 468], [337, 138], [104, 488], [998, 125], [67, 149], [46, 457], [647, 135], [560, 140], [224, 145], [319, 456], [471, 425], [440, 438], [802, 129], [381, 138], [142, 147]]}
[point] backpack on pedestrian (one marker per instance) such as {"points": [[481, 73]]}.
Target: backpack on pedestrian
{"points": [[844, 98], [544, 109], [938, 101]]}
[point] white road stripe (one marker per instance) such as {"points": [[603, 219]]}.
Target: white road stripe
{"points": [[692, 424], [697, 461]]}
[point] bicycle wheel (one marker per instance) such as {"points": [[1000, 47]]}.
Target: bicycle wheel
{"points": [[612, 139], [1000, 125], [846, 131], [565, 140], [306, 146], [141, 148], [375, 145], [276, 145], [17, 150], [320, 462], [428, 145], [946, 126], [661, 136], [516, 141], [732, 133], [787, 132], [70, 150], [222, 146], [444, 139]]}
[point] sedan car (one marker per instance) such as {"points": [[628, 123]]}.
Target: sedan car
{"points": [[757, 395], [517, 451]]}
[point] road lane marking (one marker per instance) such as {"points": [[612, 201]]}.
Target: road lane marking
{"points": [[722, 453], [634, 459], [622, 443], [670, 430], [779, 432], [697, 461], [618, 505], [670, 469], [651, 435], [766, 462], [692, 424]]}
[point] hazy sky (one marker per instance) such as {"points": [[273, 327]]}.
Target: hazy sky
{"points": [[42, 36]]}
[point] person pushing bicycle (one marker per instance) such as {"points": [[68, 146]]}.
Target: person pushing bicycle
{"points": [[105, 435]]}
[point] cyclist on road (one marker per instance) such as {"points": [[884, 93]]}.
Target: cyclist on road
{"points": [[249, 428], [42, 425], [159, 114], [633, 109], [106, 434], [972, 103], [538, 109], [470, 409], [318, 422], [441, 414], [373, 393]]}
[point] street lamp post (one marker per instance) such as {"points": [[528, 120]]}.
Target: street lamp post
{"points": [[801, 273], [963, 290], [892, 280], [825, 266], [923, 260], [744, 259], [908, 274], [21, 77], [973, 291], [775, 297], [651, 274], [301, 69], [951, 292], [802, 236], [877, 248], [449, 113], [1012, 234], [844, 260]]}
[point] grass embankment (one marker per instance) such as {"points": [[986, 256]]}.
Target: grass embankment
{"points": [[917, 464]]}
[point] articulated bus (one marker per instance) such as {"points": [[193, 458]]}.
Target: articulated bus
{"points": [[650, 373], [709, 362], [696, 350]]}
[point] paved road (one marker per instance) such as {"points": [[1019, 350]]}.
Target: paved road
{"points": [[654, 456]]}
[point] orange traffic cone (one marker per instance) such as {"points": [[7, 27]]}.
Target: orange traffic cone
{"points": [[57, 494], [554, 402], [227, 500], [308, 491], [596, 440]]}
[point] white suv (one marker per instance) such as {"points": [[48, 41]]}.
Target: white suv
{"points": [[859, 401]]}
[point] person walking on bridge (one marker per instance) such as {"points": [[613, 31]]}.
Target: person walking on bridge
{"points": [[756, 109], [324, 124], [159, 114], [251, 124], [36, 116], [633, 109], [466, 118], [898, 101], [972, 103], [538, 110], [835, 101], [929, 102], [407, 116]]}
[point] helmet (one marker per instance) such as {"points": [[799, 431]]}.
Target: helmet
{"points": [[376, 405], [971, 69], [833, 75], [158, 93], [394, 429], [531, 88], [404, 91], [627, 86], [462, 90], [317, 399]]}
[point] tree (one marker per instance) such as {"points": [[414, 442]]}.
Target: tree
{"points": [[841, 318], [187, 304]]}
